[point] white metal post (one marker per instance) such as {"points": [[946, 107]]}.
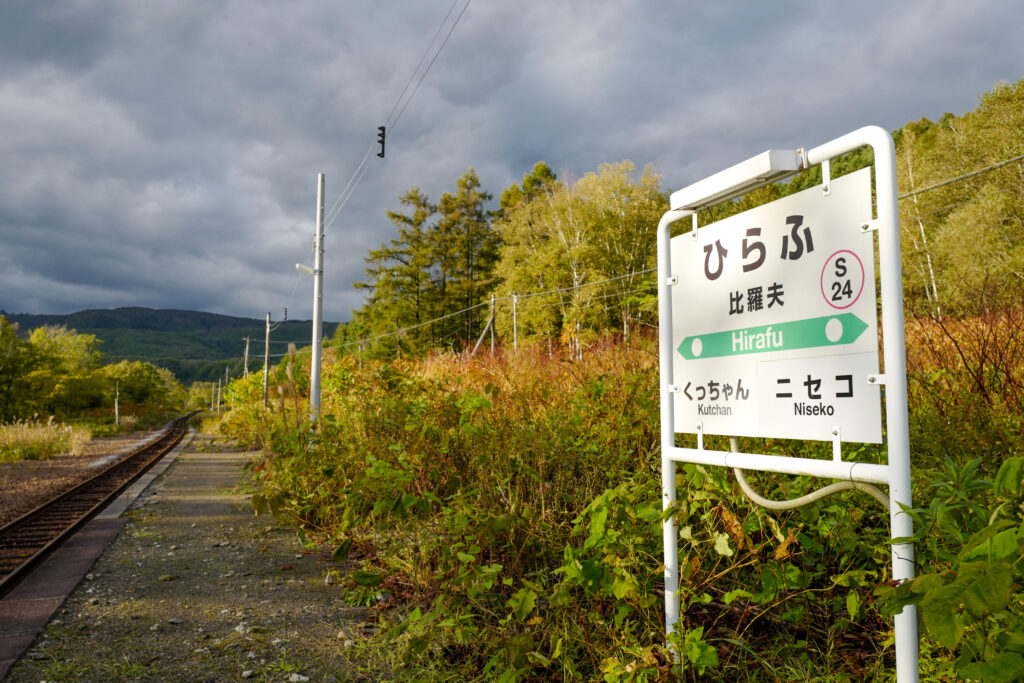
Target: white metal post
{"points": [[318, 303], [515, 323], [894, 350], [266, 363], [668, 429]]}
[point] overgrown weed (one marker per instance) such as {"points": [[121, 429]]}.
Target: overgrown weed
{"points": [[507, 511], [37, 440], [505, 515]]}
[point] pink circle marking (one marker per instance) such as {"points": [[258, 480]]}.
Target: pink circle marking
{"points": [[862, 279]]}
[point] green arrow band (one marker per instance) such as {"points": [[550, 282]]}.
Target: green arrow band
{"points": [[829, 330]]}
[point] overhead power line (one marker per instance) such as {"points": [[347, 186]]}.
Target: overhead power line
{"points": [[585, 284], [959, 178], [497, 300], [407, 329], [423, 58], [400, 107], [434, 59], [961, 203]]}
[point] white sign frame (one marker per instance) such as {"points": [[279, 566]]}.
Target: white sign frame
{"points": [[896, 473]]}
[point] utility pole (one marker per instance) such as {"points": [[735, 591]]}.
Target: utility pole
{"points": [[515, 323], [245, 363], [218, 396], [117, 397], [318, 301], [492, 326], [266, 362]]}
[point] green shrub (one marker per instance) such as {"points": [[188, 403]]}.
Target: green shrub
{"points": [[507, 517]]}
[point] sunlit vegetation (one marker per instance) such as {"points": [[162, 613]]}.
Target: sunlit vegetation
{"points": [[36, 440], [505, 517], [55, 377], [504, 512]]}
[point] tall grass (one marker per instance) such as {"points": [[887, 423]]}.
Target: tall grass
{"points": [[505, 517], [966, 389], [36, 440]]}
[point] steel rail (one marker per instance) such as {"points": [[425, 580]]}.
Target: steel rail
{"points": [[28, 540]]}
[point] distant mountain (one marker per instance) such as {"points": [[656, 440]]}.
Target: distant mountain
{"points": [[191, 344]]}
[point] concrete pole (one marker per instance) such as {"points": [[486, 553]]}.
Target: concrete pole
{"points": [[117, 398], [245, 363], [218, 396], [318, 303], [266, 363], [515, 323]]}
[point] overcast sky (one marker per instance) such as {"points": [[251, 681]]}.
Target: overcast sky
{"points": [[164, 153]]}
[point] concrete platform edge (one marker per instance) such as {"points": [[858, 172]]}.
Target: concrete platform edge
{"points": [[29, 606]]}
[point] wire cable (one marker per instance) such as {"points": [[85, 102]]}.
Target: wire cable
{"points": [[585, 284], [436, 54], [965, 176], [361, 169], [503, 299], [423, 57], [411, 327]]}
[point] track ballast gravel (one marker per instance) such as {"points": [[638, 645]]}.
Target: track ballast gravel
{"points": [[197, 588]]}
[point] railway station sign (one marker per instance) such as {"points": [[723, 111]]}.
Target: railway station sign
{"points": [[774, 324], [770, 327]]}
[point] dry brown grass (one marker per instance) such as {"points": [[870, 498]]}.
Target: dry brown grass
{"points": [[983, 354], [35, 440]]}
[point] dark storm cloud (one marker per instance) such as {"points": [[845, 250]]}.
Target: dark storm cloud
{"points": [[165, 153], [66, 35]]}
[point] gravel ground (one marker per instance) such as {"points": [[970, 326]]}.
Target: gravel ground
{"points": [[197, 588], [28, 483]]}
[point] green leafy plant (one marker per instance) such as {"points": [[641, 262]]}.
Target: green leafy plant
{"points": [[972, 607]]}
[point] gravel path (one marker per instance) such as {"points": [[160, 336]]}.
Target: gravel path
{"points": [[198, 589]]}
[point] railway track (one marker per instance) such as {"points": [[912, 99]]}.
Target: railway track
{"points": [[31, 538]]}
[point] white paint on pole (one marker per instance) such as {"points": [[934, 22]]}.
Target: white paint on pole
{"points": [[318, 303], [266, 362], [668, 435], [515, 323], [823, 339], [894, 350]]}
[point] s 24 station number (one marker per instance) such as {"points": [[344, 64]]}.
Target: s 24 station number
{"points": [[842, 279]]}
